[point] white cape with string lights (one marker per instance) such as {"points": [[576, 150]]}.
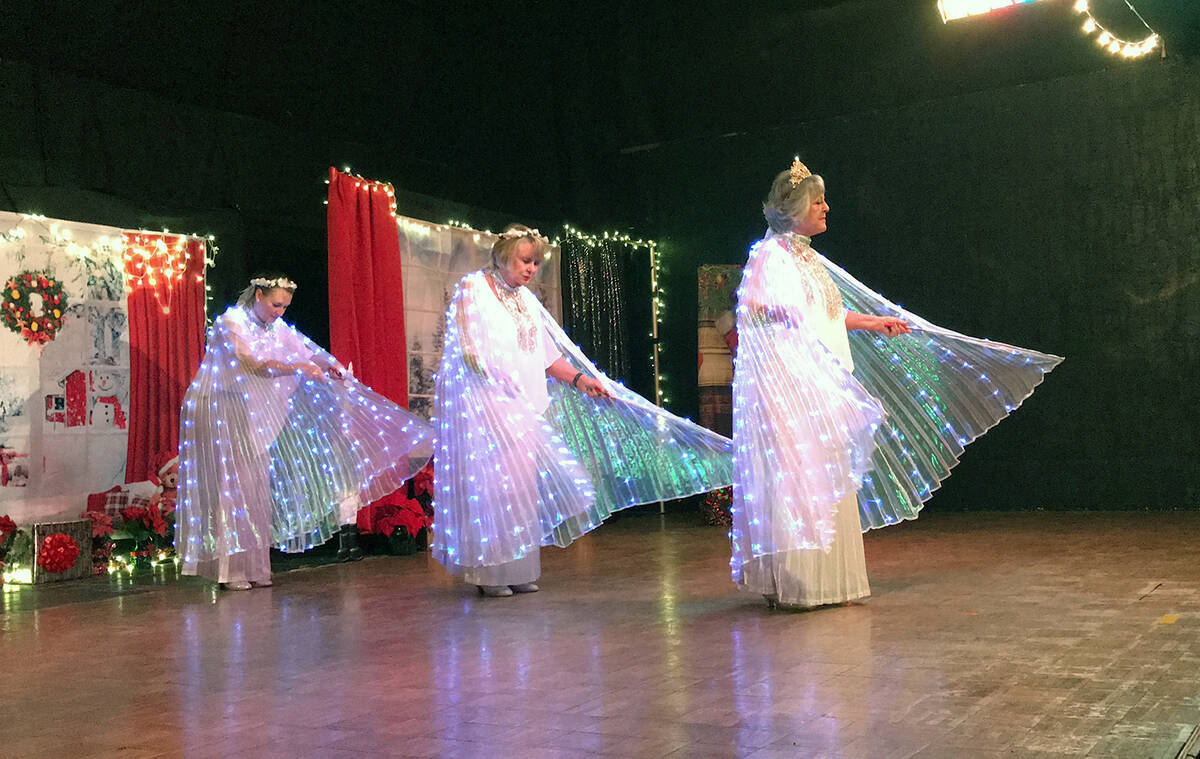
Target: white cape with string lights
{"points": [[811, 428], [519, 467], [273, 459]]}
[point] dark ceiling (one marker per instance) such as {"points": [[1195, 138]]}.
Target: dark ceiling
{"points": [[550, 90]]}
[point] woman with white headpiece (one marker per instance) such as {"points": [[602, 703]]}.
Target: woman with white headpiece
{"points": [[837, 430], [535, 445], [279, 444]]}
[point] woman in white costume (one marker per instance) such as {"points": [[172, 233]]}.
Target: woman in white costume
{"points": [[535, 445], [837, 429], [279, 445]]}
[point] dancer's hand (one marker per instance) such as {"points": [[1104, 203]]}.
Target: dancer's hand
{"points": [[335, 372], [891, 326], [311, 371], [593, 388]]}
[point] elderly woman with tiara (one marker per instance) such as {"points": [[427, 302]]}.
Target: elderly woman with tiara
{"points": [[279, 444], [535, 446], [848, 410]]}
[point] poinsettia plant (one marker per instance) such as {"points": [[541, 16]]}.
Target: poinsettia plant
{"points": [[142, 530], [716, 507], [406, 524], [8, 536]]}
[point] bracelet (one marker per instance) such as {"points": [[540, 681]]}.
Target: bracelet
{"points": [[575, 382]]}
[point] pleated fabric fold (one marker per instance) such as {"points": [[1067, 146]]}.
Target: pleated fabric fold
{"points": [[942, 390], [888, 421], [521, 466], [256, 441], [803, 426]]}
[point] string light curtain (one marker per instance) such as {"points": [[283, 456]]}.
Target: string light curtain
{"points": [[164, 282], [606, 306]]}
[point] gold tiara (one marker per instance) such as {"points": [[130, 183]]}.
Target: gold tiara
{"points": [[799, 172]]}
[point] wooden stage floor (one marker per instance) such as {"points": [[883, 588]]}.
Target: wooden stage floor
{"points": [[988, 635]]}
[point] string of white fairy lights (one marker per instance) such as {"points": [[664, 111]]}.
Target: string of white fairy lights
{"points": [[1111, 42], [147, 258], [954, 10], [656, 293]]}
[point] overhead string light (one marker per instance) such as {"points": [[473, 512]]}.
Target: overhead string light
{"points": [[146, 258], [162, 258], [1111, 42]]}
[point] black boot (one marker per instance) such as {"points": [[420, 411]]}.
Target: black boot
{"points": [[348, 549]]}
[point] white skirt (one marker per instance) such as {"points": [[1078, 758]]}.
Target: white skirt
{"points": [[253, 565], [814, 577], [523, 570]]}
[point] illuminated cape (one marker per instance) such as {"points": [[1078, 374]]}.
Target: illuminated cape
{"points": [[518, 468], [809, 428], [307, 452]]}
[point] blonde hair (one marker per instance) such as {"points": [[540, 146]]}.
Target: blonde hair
{"points": [[787, 203], [247, 296], [505, 246]]}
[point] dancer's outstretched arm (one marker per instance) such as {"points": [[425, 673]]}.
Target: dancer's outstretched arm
{"points": [[563, 371], [887, 325]]}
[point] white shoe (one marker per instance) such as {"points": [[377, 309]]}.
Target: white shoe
{"points": [[525, 587], [238, 585], [495, 591], [261, 583]]}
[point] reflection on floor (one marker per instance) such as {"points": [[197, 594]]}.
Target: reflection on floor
{"points": [[989, 635]]}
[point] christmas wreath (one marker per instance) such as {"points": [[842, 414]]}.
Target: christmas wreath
{"points": [[57, 553], [17, 312]]}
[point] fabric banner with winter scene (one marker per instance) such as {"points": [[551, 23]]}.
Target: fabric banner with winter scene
{"points": [[64, 364], [434, 257]]}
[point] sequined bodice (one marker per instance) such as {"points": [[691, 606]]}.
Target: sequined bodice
{"points": [[816, 276], [510, 298]]}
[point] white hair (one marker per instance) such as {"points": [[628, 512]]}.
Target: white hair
{"points": [[787, 204]]}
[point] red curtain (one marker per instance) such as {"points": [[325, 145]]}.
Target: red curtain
{"points": [[164, 275], [366, 300]]}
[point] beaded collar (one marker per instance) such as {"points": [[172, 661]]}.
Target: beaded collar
{"points": [[817, 277], [510, 297]]}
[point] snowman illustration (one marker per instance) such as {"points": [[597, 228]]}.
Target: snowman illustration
{"points": [[107, 408]]}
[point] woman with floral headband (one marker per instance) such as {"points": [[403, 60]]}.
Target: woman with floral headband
{"points": [[279, 444], [836, 429], [535, 445]]}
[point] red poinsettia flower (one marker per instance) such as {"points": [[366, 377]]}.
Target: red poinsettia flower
{"points": [[154, 520], [57, 553], [408, 515], [133, 513], [423, 481], [102, 524], [7, 527]]}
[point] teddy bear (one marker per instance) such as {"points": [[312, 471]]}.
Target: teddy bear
{"points": [[167, 477]]}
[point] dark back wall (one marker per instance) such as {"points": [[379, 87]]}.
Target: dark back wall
{"points": [[1001, 176], [1062, 215], [76, 148], [222, 117]]}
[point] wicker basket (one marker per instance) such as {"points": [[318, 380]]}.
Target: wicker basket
{"points": [[80, 530]]}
